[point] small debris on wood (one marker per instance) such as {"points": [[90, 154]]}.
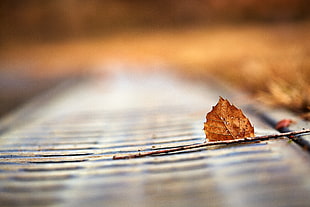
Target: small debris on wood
{"points": [[291, 135], [284, 123]]}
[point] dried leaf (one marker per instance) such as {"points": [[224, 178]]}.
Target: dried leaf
{"points": [[284, 123], [227, 122]]}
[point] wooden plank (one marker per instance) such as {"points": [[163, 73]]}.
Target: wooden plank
{"points": [[61, 154]]}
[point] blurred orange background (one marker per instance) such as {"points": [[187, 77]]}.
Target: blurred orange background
{"points": [[260, 46]]}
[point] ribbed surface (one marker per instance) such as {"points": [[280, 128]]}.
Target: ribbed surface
{"points": [[62, 154]]}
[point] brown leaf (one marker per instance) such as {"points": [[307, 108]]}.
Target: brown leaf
{"points": [[284, 123], [227, 122]]}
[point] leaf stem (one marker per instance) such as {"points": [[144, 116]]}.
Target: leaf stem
{"points": [[291, 135]]}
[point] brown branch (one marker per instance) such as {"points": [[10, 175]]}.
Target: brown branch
{"points": [[205, 144]]}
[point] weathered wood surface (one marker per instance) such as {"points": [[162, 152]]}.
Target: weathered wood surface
{"points": [[60, 151]]}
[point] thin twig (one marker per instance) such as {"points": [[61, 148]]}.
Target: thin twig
{"points": [[205, 144]]}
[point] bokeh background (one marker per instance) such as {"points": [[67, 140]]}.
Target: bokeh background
{"points": [[262, 47]]}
